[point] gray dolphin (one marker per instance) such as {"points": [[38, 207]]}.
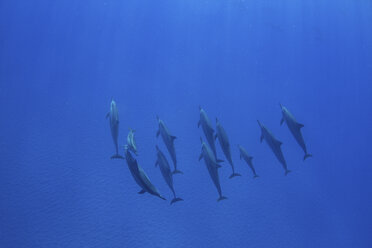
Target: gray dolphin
{"points": [[166, 172], [225, 146], [208, 130], [244, 154], [212, 166], [140, 176], [274, 144], [169, 143], [295, 129], [114, 126], [131, 141]]}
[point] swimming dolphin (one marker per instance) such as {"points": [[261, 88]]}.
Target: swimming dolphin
{"points": [[166, 172], [212, 166], [274, 144], [169, 143], [207, 129], [140, 176], [225, 146], [244, 154], [131, 141], [295, 129], [114, 126]]}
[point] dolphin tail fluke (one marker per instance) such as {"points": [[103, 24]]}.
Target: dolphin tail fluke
{"points": [[235, 175], [255, 176], [287, 171], [177, 172], [117, 156], [307, 155], [221, 198], [176, 199]]}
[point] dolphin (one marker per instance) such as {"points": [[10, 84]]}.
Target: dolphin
{"points": [[166, 172], [114, 126], [131, 141], [169, 143], [207, 129], [274, 144], [244, 154], [140, 176], [225, 146], [212, 166], [295, 129]]}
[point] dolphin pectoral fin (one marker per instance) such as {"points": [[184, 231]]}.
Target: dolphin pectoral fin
{"points": [[201, 156], [157, 133], [307, 155], [221, 198], [234, 175], [261, 138], [281, 121], [300, 125], [156, 163], [108, 115], [220, 160], [117, 156], [142, 191], [161, 197], [177, 172], [218, 166], [176, 199], [173, 137]]}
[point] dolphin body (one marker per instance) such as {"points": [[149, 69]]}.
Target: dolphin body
{"points": [[166, 172], [274, 144], [225, 146], [169, 143], [212, 166], [295, 129], [140, 176], [114, 126], [131, 142], [244, 154], [208, 130]]}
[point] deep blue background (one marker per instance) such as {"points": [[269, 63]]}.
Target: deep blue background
{"points": [[62, 61]]}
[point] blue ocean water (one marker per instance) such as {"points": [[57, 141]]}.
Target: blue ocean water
{"points": [[62, 61]]}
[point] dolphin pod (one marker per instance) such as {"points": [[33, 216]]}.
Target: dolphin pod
{"points": [[225, 146], [295, 129], [169, 143], [208, 150], [166, 172]]}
